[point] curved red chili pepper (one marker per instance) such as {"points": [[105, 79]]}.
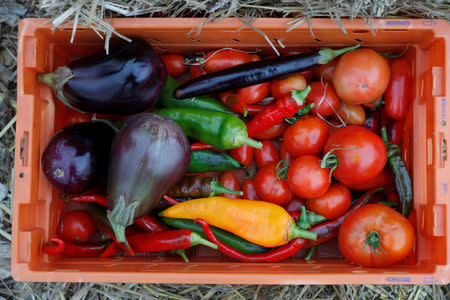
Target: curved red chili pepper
{"points": [[54, 246], [150, 224], [201, 146], [113, 249], [170, 200], [294, 215], [74, 249], [273, 255], [97, 198]]}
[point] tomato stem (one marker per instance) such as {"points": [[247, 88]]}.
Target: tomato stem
{"points": [[282, 169], [373, 240], [330, 161]]}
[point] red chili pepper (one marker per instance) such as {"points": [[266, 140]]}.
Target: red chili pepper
{"points": [[201, 146], [243, 154], [295, 215], [150, 224], [285, 107], [230, 100], [98, 215], [113, 249], [97, 198], [170, 200], [328, 230], [395, 131], [74, 249], [273, 255], [167, 240], [398, 92], [249, 189]]}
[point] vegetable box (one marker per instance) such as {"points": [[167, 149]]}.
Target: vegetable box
{"points": [[37, 207]]}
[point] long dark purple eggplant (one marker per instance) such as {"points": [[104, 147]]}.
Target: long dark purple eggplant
{"points": [[256, 72], [148, 156], [76, 159], [128, 81]]}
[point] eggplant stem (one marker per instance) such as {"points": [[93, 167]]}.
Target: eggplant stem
{"points": [[47, 78], [122, 216], [327, 54]]}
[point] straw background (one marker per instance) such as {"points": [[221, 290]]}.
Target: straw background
{"points": [[11, 12]]}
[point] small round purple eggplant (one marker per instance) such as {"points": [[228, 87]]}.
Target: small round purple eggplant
{"points": [[76, 159], [128, 81], [149, 155]]}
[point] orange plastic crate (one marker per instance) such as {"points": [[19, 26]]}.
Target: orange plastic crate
{"points": [[39, 114]]}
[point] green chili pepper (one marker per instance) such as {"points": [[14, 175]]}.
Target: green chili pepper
{"points": [[215, 128], [167, 100], [224, 236], [402, 180], [210, 161]]}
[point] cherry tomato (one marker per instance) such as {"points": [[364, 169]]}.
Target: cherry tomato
{"points": [[361, 76], [267, 154], [280, 88], [351, 114], [76, 226], [295, 205], [272, 188], [229, 180], [375, 235], [372, 121], [249, 189], [197, 70], [306, 178], [306, 136], [395, 131], [325, 72], [284, 155], [174, 64], [333, 204], [254, 93], [243, 154], [273, 132], [398, 92], [382, 179], [358, 154], [225, 58], [324, 100]]}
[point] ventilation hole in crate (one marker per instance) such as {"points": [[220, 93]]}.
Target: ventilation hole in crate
{"points": [[24, 141], [358, 40], [21, 175], [319, 41], [236, 40], [360, 31], [399, 30]]}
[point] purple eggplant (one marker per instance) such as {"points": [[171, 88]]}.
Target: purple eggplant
{"points": [[149, 155], [76, 159], [128, 81]]}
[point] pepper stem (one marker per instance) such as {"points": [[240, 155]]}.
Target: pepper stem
{"points": [[303, 221], [310, 253], [373, 240], [122, 216], [300, 95], [181, 253], [245, 140], [297, 232], [197, 240], [217, 189], [327, 54]]}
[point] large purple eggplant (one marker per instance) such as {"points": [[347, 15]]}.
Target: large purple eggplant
{"points": [[128, 81], [148, 156], [76, 159]]}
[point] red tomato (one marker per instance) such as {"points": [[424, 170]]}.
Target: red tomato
{"points": [[225, 58], [306, 136], [76, 226], [243, 154], [375, 235], [306, 178], [350, 114], [359, 154], [295, 205], [273, 132], [395, 131], [229, 180], [254, 93], [174, 64], [361, 76], [197, 70], [398, 92], [280, 88], [324, 101], [271, 188], [333, 204], [383, 179], [325, 72], [267, 154], [284, 155], [249, 189]]}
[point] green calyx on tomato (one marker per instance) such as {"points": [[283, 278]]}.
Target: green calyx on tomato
{"points": [[282, 169], [330, 161], [301, 112], [327, 54], [373, 240]]}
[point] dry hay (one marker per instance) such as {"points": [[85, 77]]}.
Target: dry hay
{"points": [[10, 14]]}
